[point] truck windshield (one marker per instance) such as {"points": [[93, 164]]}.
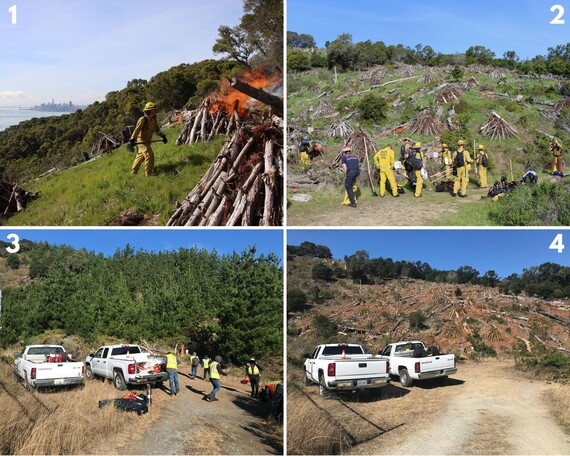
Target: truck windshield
{"points": [[45, 350], [126, 350], [338, 349]]}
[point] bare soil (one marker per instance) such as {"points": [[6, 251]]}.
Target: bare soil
{"points": [[187, 424], [486, 408]]}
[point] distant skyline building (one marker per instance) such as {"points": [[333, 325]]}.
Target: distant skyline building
{"points": [[57, 107]]}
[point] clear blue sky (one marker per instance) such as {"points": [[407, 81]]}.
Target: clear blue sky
{"points": [[448, 26], [79, 50], [504, 251], [107, 241]]}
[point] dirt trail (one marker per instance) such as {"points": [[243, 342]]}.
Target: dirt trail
{"points": [[486, 408], [187, 424]]}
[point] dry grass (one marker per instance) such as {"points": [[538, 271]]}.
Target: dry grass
{"points": [[559, 404], [65, 421]]}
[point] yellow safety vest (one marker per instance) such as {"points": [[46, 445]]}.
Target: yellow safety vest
{"points": [[214, 374], [171, 362], [206, 363], [254, 371]]}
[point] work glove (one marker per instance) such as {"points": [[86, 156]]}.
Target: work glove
{"points": [[164, 139], [132, 142]]}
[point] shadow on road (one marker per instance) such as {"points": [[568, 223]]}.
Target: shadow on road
{"points": [[438, 383]]}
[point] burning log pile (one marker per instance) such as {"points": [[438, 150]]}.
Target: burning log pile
{"points": [[244, 184], [340, 128], [13, 198], [447, 94], [497, 127], [424, 124]]}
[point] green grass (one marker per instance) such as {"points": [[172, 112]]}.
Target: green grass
{"points": [[98, 192]]}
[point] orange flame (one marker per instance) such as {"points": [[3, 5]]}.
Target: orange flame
{"points": [[227, 98]]}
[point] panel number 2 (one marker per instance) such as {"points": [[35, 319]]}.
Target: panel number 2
{"points": [[558, 19]]}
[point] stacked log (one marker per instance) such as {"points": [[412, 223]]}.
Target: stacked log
{"points": [[361, 143], [204, 123], [497, 127], [447, 94], [427, 78], [105, 143], [244, 185], [13, 198], [424, 124], [497, 74], [324, 109], [340, 128], [472, 82]]}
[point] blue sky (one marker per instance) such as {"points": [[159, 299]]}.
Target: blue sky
{"points": [[79, 50], [504, 251], [107, 241], [448, 26]]}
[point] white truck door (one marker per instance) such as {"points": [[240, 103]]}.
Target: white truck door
{"points": [[99, 362]]}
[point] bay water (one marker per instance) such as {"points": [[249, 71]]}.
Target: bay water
{"points": [[13, 116]]}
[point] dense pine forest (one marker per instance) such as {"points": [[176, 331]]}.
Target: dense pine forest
{"points": [[230, 304]]}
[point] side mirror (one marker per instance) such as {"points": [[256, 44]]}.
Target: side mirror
{"points": [[17, 354]]}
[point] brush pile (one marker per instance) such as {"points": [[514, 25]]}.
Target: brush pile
{"points": [[105, 143], [340, 128], [361, 143], [497, 127], [447, 94], [427, 78], [13, 198], [324, 109], [563, 104], [424, 124]]}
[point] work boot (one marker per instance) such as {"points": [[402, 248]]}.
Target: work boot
{"points": [[214, 399], [352, 204], [454, 194], [418, 196], [208, 398], [462, 196], [397, 195]]}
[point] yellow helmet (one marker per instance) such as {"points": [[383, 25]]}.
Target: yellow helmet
{"points": [[418, 145], [347, 149], [481, 147], [461, 142], [149, 106], [444, 146]]}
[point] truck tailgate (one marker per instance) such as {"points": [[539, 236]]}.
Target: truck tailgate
{"points": [[48, 371], [436, 363], [364, 368]]}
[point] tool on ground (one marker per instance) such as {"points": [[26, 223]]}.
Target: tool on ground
{"points": [[130, 148]]}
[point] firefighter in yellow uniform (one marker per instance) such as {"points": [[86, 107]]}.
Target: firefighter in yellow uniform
{"points": [[417, 162], [384, 162], [446, 161], [142, 136], [462, 162], [482, 162], [556, 149], [305, 161]]}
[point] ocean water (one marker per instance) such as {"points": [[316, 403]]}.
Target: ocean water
{"points": [[13, 116]]}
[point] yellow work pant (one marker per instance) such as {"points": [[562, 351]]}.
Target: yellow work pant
{"points": [[448, 171], [144, 153], [305, 161], [482, 176], [556, 163], [388, 174], [346, 200], [461, 181], [419, 181]]}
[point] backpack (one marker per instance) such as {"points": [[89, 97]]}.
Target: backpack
{"points": [[416, 161], [484, 161], [460, 159], [195, 361]]}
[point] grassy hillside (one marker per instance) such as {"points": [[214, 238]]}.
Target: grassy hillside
{"points": [[104, 191], [315, 101]]}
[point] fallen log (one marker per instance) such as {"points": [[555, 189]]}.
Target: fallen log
{"points": [[275, 102]]}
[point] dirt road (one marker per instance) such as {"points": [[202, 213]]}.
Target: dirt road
{"points": [[187, 424], [486, 408]]}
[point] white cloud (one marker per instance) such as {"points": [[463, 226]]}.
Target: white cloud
{"points": [[12, 94]]}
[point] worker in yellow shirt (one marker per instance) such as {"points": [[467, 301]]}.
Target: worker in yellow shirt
{"points": [[482, 162], [462, 162], [446, 161], [384, 162], [142, 136]]}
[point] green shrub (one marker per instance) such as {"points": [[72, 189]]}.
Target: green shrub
{"points": [[373, 107], [13, 261], [325, 327], [296, 300], [417, 320], [321, 271]]}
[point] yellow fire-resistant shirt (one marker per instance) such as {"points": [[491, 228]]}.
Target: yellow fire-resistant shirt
{"points": [[384, 159], [145, 128]]}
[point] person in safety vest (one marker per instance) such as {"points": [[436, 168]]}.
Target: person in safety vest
{"points": [[172, 369], [482, 162], [253, 372], [273, 393], [351, 170], [417, 163], [194, 362], [215, 372], [384, 162], [556, 149], [446, 160], [142, 136], [206, 366], [462, 163]]}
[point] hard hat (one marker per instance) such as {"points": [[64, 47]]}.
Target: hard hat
{"points": [[444, 146], [418, 145], [218, 359], [149, 106], [347, 149], [252, 358], [481, 147], [461, 142], [193, 353]]}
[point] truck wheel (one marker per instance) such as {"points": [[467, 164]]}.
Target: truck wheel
{"points": [[119, 381], [307, 379], [405, 379], [89, 373], [322, 387]]}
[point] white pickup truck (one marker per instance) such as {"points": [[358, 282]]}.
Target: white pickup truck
{"points": [[411, 360], [126, 365], [345, 367], [47, 365]]}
